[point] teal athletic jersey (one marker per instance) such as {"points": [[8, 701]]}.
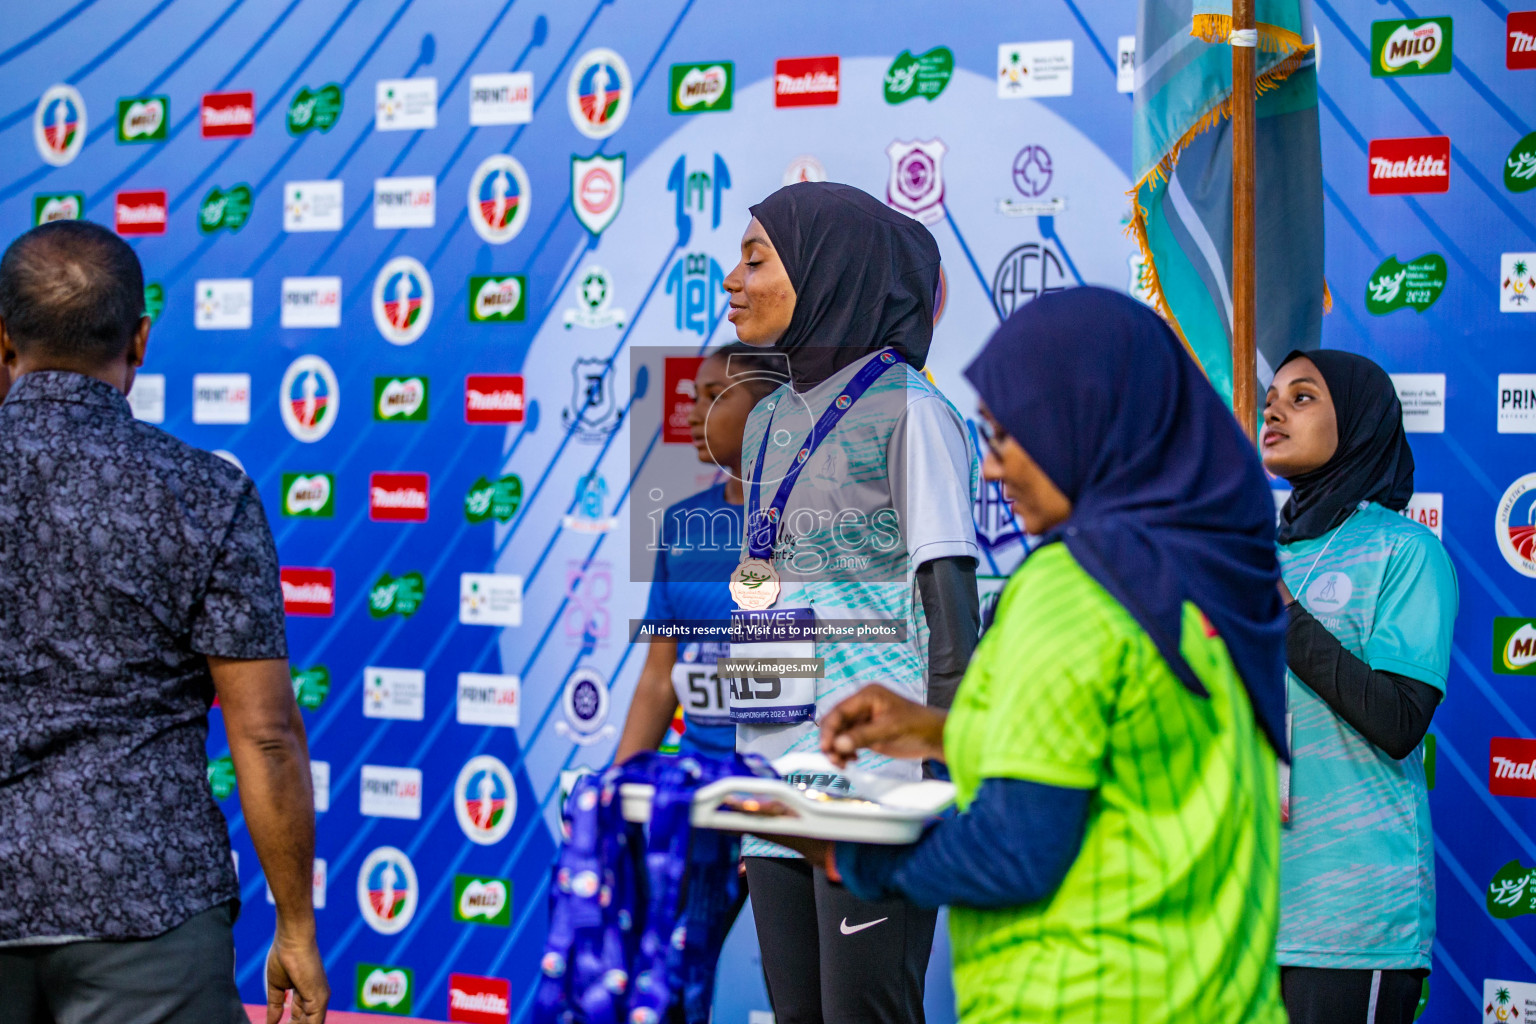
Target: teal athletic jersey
{"points": [[1168, 912], [1357, 877]]}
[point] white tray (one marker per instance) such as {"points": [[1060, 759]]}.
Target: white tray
{"points": [[895, 813]]}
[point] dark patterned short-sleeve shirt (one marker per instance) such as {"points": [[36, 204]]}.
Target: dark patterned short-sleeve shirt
{"points": [[126, 558]]}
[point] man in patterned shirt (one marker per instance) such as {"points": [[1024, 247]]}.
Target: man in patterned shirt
{"points": [[138, 578]]}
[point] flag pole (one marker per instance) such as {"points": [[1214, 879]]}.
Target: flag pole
{"points": [[1244, 367]]}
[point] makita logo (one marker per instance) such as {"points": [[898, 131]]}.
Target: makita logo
{"points": [[406, 497], [493, 398], [228, 113], [1511, 766], [141, 213], [482, 1002], [308, 591], [1521, 42], [805, 82], [477, 1000], [1402, 166], [397, 497], [1520, 48]]}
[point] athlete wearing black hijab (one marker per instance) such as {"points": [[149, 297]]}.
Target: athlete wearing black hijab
{"points": [[831, 278]]}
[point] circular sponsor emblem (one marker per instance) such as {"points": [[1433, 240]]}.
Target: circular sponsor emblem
{"points": [[1032, 171], [387, 890], [585, 701], [598, 93], [804, 168], [498, 199], [595, 191], [915, 173], [309, 398], [1515, 525], [485, 800], [843, 401], [58, 124], [402, 300], [1329, 592]]}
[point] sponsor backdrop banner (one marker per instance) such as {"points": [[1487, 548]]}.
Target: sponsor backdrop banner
{"points": [[399, 259]]}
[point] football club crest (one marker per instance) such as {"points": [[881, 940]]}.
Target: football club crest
{"points": [[598, 93], [595, 290], [592, 414], [387, 890], [58, 125], [916, 186], [402, 300], [498, 199], [484, 800], [597, 190], [309, 398]]}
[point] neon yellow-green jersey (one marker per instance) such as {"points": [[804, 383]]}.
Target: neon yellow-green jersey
{"points": [[1170, 910]]}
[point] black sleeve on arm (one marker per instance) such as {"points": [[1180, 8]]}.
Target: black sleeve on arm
{"points": [[947, 587], [1391, 710]]}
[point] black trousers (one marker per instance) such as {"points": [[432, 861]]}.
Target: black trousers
{"points": [[832, 959], [186, 976], [1316, 995]]}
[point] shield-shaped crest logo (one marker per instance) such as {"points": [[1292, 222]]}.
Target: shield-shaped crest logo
{"points": [[916, 186], [591, 412], [597, 190]]}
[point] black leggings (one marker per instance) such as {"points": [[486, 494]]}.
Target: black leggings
{"points": [[1316, 995], [832, 959]]}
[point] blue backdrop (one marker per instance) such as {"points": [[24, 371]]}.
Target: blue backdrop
{"points": [[435, 859]]}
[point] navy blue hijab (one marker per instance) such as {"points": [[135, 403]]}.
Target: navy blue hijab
{"points": [[1169, 500]]}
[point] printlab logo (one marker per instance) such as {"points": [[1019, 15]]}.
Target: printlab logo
{"points": [[1413, 285], [484, 800], [1520, 165], [397, 497], [396, 595], [478, 899], [1517, 403], [1026, 273], [498, 499], [310, 685], [1520, 40], [585, 706], [1512, 891], [405, 202], [1515, 525], [309, 398], [402, 300], [924, 75], [1511, 766], [309, 495], [388, 792], [595, 291], [592, 414], [499, 195], [501, 98], [311, 302], [141, 213], [488, 699], [1514, 646], [385, 989], [1517, 282], [308, 591], [405, 104], [1032, 173], [228, 114], [598, 93], [694, 281], [1427, 508], [143, 118], [1413, 47], [58, 125], [387, 890], [916, 184], [400, 398], [316, 110], [805, 81], [476, 1000], [1407, 166], [597, 190], [498, 300], [225, 209], [48, 207], [221, 398], [312, 205], [702, 88]]}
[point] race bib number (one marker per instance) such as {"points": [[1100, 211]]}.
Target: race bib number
{"points": [[775, 635], [700, 692]]}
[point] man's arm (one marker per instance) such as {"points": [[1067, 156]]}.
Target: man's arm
{"points": [[266, 741], [654, 703]]}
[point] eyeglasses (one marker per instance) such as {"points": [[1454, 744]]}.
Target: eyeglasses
{"points": [[994, 436]]}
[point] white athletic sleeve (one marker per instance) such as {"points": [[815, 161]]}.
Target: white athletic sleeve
{"points": [[931, 481]]}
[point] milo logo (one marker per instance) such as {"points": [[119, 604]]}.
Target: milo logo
{"points": [[225, 210], [1520, 165], [154, 300], [311, 496], [498, 500], [143, 118], [400, 398], [1514, 646], [923, 75], [397, 595], [221, 776], [1413, 47], [316, 110], [385, 989], [51, 206], [310, 685], [498, 299], [701, 87], [1413, 285], [478, 900]]}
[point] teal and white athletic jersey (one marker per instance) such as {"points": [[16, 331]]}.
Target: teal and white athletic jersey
{"points": [[1357, 872], [889, 489]]}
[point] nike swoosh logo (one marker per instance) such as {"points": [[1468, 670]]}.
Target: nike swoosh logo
{"points": [[843, 927]]}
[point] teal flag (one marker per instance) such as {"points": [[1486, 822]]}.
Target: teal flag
{"points": [[1181, 153]]}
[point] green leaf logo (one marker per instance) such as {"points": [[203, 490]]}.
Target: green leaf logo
{"points": [[154, 300], [221, 776], [1512, 892], [310, 685], [316, 111], [1520, 165], [397, 595], [1413, 285], [228, 210], [923, 75]]}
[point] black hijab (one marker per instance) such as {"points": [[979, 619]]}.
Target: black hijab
{"points": [[1373, 461], [1169, 501], [865, 277]]}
